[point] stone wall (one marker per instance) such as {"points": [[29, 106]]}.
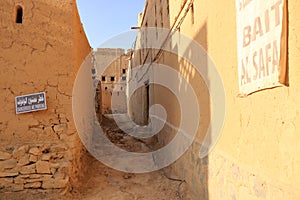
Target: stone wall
{"points": [[41, 54], [34, 166]]}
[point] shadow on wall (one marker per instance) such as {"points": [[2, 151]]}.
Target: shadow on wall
{"points": [[190, 167], [204, 102]]}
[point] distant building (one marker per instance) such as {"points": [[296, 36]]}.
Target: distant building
{"points": [[111, 68]]}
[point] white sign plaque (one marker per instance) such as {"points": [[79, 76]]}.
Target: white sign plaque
{"points": [[30, 103]]}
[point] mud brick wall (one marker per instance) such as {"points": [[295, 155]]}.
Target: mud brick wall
{"points": [[42, 54]]}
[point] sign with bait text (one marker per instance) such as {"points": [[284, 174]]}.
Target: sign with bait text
{"points": [[261, 40], [30, 103]]}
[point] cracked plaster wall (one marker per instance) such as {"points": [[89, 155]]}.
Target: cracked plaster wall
{"points": [[41, 54]]}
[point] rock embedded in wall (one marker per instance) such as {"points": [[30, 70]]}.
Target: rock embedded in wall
{"points": [[4, 156], [34, 167], [8, 164]]}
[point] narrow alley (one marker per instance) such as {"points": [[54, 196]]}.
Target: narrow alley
{"points": [[149, 100], [99, 182], [102, 182]]}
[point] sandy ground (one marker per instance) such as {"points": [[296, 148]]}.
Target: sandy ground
{"points": [[103, 183]]}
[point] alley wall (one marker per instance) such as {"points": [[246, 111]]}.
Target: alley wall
{"points": [[256, 156], [40, 54]]}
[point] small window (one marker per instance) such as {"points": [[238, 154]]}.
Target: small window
{"points": [[103, 78], [112, 78], [123, 78], [124, 71], [19, 14]]}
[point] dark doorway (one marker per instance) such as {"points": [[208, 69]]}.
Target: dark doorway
{"points": [[147, 104]]}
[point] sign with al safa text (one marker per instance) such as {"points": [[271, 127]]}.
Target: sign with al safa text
{"points": [[261, 40]]}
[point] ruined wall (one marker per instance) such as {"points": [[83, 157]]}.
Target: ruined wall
{"points": [[43, 53], [257, 154]]}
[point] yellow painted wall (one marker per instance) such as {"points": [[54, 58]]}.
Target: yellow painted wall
{"points": [[257, 154]]}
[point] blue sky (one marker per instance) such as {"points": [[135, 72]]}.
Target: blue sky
{"points": [[103, 19]]}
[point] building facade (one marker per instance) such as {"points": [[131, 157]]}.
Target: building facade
{"points": [[42, 46], [111, 66], [256, 156]]}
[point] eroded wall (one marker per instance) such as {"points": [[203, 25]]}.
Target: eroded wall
{"points": [[43, 53]]}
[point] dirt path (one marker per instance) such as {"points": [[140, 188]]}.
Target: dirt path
{"points": [[106, 183], [103, 183]]}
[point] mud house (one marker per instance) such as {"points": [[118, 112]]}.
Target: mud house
{"points": [[256, 155], [111, 66], [42, 45]]}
